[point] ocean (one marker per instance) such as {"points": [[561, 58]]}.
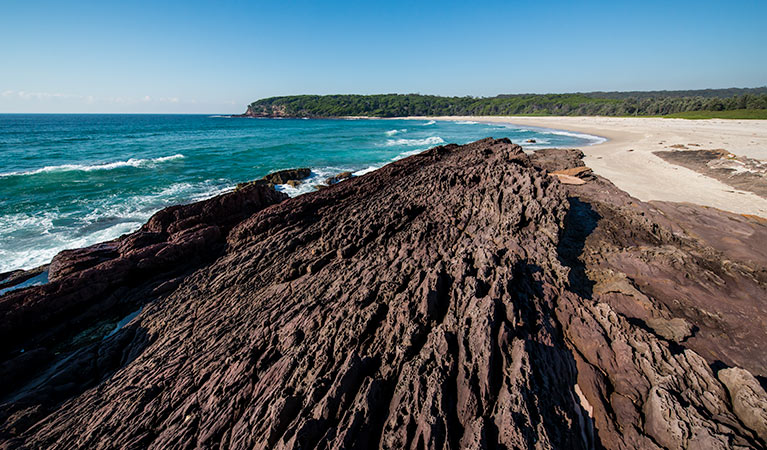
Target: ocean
{"points": [[71, 180]]}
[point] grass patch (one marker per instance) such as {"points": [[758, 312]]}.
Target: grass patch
{"points": [[734, 114]]}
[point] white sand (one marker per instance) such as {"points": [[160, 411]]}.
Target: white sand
{"points": [[648, 177]]}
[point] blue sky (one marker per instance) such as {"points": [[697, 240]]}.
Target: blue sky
{"points": [[217, 56]]}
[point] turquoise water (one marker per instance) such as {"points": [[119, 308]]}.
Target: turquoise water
{"points": [[67, 181]]}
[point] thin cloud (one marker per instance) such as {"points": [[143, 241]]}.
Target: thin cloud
{"points": [[25, 95], [90, 99]]}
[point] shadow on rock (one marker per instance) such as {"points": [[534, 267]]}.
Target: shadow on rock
{"points": [[71, 375], [580, 221]]}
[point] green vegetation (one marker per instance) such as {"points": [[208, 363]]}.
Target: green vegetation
{"points": [[734, 114], [727, 103]]}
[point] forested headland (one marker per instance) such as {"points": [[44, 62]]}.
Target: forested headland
{"points": [[749, 103]]}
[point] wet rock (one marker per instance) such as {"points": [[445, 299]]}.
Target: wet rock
{"points": [[339, 177], [284, 176], [11, 280]]}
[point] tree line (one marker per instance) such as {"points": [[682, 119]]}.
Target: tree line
{"points": [[581, 104]]}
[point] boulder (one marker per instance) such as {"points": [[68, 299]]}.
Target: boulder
{"points": [[676, 329], [339, 177], [283, 176], [749, 400]]}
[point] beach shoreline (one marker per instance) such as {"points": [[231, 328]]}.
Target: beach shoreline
{"points": [[627, 158]]}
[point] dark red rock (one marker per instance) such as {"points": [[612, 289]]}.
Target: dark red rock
{"points": [[107, 280], [15, 278], [657, 272], [70, 261], [283, 176], [459, 298]]}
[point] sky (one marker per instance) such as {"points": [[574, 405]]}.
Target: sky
{"points": [[218, 56]]}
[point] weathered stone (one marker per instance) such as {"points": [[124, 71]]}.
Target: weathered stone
{"points": [[580, 172], [284, 176], [443, 301], [676, 329], [749, 400], [568, 179], [340, 177]]}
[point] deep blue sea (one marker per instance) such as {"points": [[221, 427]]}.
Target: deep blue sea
{"points": [[68, 181]]}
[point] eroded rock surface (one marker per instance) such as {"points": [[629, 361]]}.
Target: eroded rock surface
{"points": [[740, 172], [459, 298], [90, 289]]}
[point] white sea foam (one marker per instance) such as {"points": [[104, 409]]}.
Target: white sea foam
{"points": [[432, 140], [366, 170], [132, 162], [466, 122], [407, 153], [316, 177], [431, 122], [42, 249], [592, 140], [39, 237], [393, 132]]}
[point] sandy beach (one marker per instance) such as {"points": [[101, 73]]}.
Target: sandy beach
{"points": [[628, 161]]}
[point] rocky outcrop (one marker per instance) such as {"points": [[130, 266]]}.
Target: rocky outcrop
{"points": [[459, 298], [291, 177], [285, 176], [676, 292], [11, 280], [90, 289], [740, 172], [257, 111], [338, 178], [749, 401]]}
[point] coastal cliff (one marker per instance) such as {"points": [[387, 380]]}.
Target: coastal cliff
{"points": [[268, 111], [465, 297]]}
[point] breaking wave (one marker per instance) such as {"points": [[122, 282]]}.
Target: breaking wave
{"points": [[592, 140], [133, 162], [39, 236], [432, 140]]}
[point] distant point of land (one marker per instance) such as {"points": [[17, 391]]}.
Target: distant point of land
{"points": [[732, 103]]}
